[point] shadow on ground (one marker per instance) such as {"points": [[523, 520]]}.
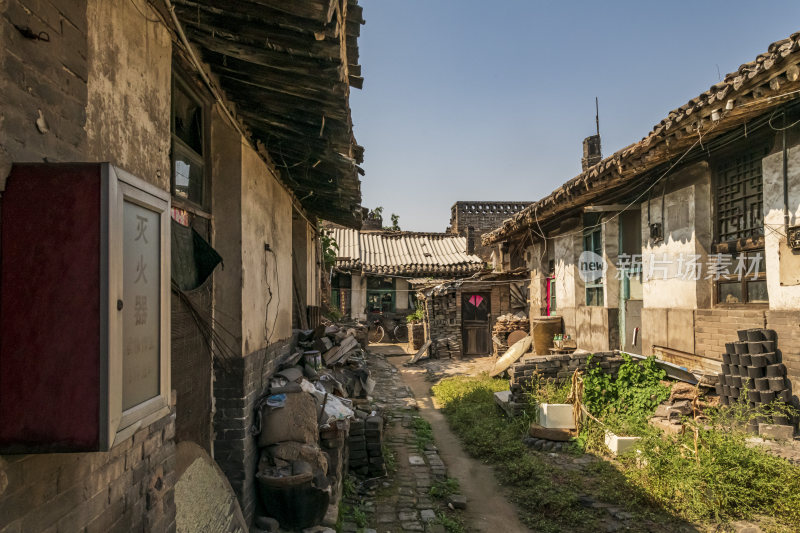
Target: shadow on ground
{"points": [[510, 486]]}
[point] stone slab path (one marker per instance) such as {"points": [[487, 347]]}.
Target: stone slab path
{"points": [[401, 501]]}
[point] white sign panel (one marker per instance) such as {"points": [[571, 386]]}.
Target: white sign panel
{"points": [[141, 290]]}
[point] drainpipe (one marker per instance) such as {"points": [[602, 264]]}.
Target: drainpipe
{"points": [[785, 181]]}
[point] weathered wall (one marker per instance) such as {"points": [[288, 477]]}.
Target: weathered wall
{"points": [[783, 264], [670, 328], [129, 90], [687, 232], [250, 209], [266, 218], [300, 269], [226, 187], [358, 296], [42, 81], [108, 47], [401, 294]]}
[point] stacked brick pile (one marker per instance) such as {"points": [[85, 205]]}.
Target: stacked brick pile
{"points": [[374, 436], [359, 462], [558, 367], [366, 446], [752, 366], [447, 347]]}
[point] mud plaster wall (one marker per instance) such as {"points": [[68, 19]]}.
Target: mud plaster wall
{"points": [[129, 90], [783, 264], [266, 218], [687, 232]]}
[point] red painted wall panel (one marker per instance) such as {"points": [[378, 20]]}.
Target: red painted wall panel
{"points": [[50, 308]]}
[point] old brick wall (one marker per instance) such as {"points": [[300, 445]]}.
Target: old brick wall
{"points": [[787, 325], [128, 489], [42, 82], [238, 384], [557, 367], [715, 327], [484, 217]]}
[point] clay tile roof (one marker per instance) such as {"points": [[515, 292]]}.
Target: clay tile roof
{"points": [[771, 80], [404, 253]]}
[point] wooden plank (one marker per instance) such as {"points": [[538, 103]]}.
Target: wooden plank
{"points": [[417, 356]]}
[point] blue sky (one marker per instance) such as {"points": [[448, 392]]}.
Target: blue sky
{"points": [[468, 100]]}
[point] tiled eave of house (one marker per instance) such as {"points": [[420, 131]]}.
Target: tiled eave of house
{"points": [[772, 79], [404, 253], [286, 67]]}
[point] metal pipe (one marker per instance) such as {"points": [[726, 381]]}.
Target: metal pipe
{"points": [[785, 180]]}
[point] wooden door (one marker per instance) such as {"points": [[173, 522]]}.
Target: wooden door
{"points": [[475, 332]]}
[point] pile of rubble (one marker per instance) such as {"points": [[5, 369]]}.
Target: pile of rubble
{"points": [[307, 425], [668, 416], [448, 347], [509, 322]]}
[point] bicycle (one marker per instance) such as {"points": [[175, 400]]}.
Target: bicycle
{"points": [[376, 332]]}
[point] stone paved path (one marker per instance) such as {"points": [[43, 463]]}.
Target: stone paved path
{"points": [[400, 502]]}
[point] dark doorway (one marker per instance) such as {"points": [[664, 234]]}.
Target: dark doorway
{"points": [[475, 322]]}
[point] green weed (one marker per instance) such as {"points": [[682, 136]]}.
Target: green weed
{"points": [[444, 488], [423, 433]]}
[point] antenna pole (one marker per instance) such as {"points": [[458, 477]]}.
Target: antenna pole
{"points": [[597, 114]]}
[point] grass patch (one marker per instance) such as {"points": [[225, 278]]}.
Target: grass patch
{"points": [[389, 458], [443, 488], [423, 433], [546, 502], [451, 524], [350, 513], [706, 474]]}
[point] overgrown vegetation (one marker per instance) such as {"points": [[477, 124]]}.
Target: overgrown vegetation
{"points": [[547, 502], [443, 488], [423, 433], [350, 513], [713, 479], [417, 316], [451, 523], [330, 248], [626, 402], [389, 458]]}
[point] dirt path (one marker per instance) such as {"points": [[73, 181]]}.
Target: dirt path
{"points": [[488, 509]]}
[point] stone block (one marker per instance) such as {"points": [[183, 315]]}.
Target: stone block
{"points": [[458, 501], [617, 444], [556, 416], [776, 431]]}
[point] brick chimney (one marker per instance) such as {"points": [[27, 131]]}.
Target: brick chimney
{"points": [[591, 152]]}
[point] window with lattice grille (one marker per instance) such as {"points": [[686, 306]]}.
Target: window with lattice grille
{"points": [[740, 200]]}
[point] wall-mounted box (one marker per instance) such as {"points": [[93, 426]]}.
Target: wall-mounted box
{"points": [[84, 307]]}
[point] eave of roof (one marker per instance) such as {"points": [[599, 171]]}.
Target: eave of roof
{"points": [[288, 68], [772, 79], [404, 253]]}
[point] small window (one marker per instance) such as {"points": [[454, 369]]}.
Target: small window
{"points": [[593, 242], [188, 163], [745, 282]]}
